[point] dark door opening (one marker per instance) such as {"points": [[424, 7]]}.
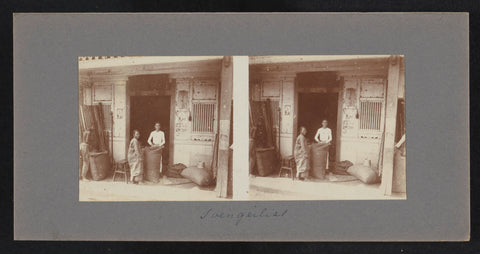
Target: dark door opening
{"points": [[313, 108], [145, 111]]}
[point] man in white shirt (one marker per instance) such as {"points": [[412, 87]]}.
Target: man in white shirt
{"points": [[157, 137], [324, 136], [156, 140]]}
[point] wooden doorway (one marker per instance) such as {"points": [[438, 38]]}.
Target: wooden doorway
{"points": [[150, 99], [316, 98], [145, 111], [313, 108]]}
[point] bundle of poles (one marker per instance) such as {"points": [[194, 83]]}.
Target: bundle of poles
{"points": [[97, 120]]}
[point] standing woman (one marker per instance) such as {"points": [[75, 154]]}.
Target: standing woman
{"points": [[301, 154], [135, 160]]}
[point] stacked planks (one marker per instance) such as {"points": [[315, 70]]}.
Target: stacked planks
{"points": [[262, 117], [259, 122], [263, 135], [97, 120]]}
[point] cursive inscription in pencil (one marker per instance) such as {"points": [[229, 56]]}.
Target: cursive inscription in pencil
{"points": [[238, 216]]}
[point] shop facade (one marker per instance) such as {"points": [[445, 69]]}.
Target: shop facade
{"points": [[180, 93], [359, 96]]}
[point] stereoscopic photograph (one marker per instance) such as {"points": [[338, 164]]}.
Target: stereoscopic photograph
{"points": [[160, 128], [255, 126]]}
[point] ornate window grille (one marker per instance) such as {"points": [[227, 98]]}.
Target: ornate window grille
{"points": [[203, 117]]}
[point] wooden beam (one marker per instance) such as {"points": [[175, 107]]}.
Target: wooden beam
{"points": [[364, 73], [300, 69], [138, 72], [122, 61], [159, 68], [338, 135], [344, 73], [197, 75], [390, 124], [309, 58], [333, 65], [224, 117]]}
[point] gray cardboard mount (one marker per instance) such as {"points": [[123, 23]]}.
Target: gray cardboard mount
{"points": [[46, 47]]}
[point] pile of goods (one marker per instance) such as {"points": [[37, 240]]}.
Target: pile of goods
{"points": [[200, 176], [364, 172], [197, 174], [264, 155], [319, 153], [152, 161], [96, 120]]}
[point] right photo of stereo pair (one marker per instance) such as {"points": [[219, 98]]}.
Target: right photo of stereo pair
{"points": [[327, 127]]}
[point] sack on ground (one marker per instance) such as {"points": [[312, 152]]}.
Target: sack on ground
{"points": [[266, 161], [340, 168], [178, 168], [200, 176], [173, 174], [363, 173], [175, 170]]}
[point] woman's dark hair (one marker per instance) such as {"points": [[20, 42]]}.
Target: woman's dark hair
{"points": [[301, 128]]}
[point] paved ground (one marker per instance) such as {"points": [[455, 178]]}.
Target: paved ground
{"points": [[171, 189], [261, 188], [333, 188]]}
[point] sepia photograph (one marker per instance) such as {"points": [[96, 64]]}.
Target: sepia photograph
{"points": [[320, 128], [155, 128], [255, 126], [327, 127]]}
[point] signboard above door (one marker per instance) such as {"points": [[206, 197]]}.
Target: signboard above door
{"points": [[205, 90], [372, 88]]}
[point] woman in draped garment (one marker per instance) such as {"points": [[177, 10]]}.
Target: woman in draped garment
{"points": [[301, 154], [135, 159]]}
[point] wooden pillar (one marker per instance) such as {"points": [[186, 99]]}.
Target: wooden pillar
{"points": [[240, 120], [224, 117], [390, 124], [173, 98], [295, 113], [338, 135], [120, 122]]}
